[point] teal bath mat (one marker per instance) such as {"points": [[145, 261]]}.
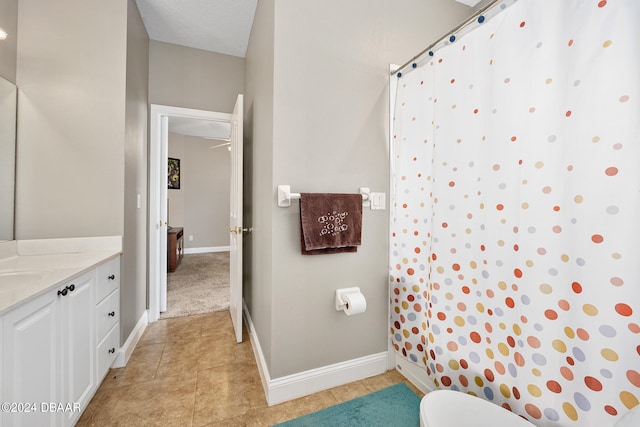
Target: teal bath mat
{"points": [[393, 406]]}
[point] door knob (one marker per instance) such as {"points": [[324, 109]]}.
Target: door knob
{"points": [[240, 230]]}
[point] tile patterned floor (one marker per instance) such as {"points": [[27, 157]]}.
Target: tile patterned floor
{"points": [[189, 371]]}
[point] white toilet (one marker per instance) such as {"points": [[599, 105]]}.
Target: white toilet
{"points": [[448, 408]]}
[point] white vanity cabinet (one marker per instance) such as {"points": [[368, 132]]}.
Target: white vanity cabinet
{"points": [[51, 348], [107, 310], [31, 369], [78, 352]]}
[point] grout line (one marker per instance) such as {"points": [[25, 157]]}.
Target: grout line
{"points": [[195, 395], [155, 374]]}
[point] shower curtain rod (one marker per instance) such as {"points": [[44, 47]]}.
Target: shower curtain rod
{"points": [[468, 21]]}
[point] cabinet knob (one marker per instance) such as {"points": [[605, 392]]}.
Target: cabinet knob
{"points": [[112, 277], [112, 350], [67, 289], [112, 314]]}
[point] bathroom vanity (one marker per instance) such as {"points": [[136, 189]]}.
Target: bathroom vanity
{"points": [[59, 330]]}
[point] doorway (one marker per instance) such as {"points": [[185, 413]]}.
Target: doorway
{"points": [[184, 121]]}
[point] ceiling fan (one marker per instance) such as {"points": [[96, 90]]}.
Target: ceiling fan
{"points": [[222, 145]]}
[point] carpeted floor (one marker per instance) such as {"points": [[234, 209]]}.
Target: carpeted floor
{"points": [[199, 285]]}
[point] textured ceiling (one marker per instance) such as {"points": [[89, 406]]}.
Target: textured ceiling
{"points": [[221, 26]]}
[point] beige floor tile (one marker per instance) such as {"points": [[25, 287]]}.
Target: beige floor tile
{"points": [[390, 378], [191, 372], [173, 330], [233, 422], [227, 392], [351, 391], [142, 366], [202, 352], [163, 401], [289, 410], [217, 323], [381, 381]]}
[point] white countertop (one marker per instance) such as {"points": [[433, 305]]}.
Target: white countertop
{"points": [[27, 270]]}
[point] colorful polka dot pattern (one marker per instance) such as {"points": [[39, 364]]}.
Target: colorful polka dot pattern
{"points": [[515, 238]]}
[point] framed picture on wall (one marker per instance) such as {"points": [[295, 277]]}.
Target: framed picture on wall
{"points": [[174, 174]]}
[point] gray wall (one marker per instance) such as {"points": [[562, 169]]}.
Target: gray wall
{"points": [[258, 167], [201, 205], [192, 78], [133, 297], [8, 47], [208, 176], [330, 127], [83, 79]]}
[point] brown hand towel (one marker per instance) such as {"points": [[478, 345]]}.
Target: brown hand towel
{"points": [[330, 223]]}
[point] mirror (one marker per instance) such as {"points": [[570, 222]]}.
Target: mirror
{"points": [[8, 98]]}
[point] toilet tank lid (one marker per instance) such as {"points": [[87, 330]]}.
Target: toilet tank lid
{"points": [[442, 408]]}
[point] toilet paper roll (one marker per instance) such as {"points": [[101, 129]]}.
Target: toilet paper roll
{"points": [[355, 303]]}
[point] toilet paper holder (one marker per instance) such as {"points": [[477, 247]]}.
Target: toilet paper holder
{"points": [[340, 294]]}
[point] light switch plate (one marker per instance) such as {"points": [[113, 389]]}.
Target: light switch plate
{"points": [[378, 201]]}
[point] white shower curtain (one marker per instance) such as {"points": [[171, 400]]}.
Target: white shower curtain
{"points": [[515, 238]]}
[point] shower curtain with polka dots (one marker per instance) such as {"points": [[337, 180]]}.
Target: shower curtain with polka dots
{"points": [[515, 236]]}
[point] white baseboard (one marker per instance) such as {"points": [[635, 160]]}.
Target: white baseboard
{"points": [[188, 251], [257, 351], [315, 380], [127, 349], [415, 373], [312, 381], [391, 358]]}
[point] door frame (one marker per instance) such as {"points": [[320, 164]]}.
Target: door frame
{"points": [[157, 214]]}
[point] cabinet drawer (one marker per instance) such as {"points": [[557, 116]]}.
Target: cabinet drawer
{"points": [[108, 350], [108, 314], [108, 278]]}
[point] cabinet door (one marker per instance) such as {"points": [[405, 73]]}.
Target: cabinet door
{"points": [[78, 355], [31, 370]]}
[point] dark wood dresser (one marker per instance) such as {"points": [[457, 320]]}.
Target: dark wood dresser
{"points": [[175, 247]]}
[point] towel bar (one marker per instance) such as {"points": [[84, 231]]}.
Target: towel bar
{"points": [[285, 195]]}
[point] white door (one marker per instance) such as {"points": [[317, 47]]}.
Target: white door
{"points": [[163, 225], [235, 220]]}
